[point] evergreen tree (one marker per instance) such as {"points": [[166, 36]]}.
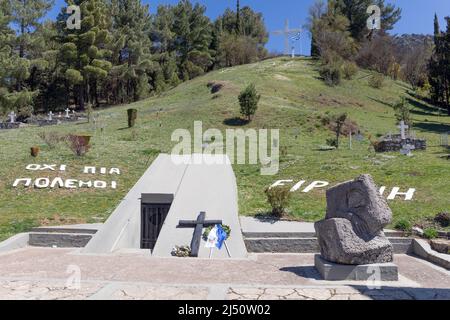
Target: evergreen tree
{"points": [[238, 17], [439, 66], [356, 13], [239, 38], [13, 69], [131, 47], [85, 52]]}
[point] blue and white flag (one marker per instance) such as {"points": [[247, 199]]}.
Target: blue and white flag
{"points": [[216, 237]]}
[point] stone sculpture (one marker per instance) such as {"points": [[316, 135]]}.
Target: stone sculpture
{"points": [[352, 231]]}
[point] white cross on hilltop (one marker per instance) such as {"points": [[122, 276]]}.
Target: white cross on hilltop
{"points": [[286, 33], [402, 128]]}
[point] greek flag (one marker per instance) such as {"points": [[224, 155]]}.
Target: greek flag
{"points": [[297, 36], [216, 237]]}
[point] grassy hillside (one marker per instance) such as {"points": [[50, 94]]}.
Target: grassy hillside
{"points": [[294, 100]]}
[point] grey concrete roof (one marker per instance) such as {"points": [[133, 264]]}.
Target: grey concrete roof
{"points": [[209, 186], [122, 229]]}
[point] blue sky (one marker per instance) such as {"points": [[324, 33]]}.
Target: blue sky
{"points": [[417, 16]]}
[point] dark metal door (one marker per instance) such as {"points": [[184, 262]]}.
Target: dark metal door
{"points": [[152, 219]]}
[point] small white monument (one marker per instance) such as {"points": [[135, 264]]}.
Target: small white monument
{"points": [[403, 128], [406, 150], [12, 117], [67, 111], [50, 116]]}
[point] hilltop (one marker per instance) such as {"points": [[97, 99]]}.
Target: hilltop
{"points": [[294, 99]]}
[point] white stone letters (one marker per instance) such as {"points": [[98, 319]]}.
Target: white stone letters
{"points": [[26, 181], [58, 182], [395, 192], [322, 184]]}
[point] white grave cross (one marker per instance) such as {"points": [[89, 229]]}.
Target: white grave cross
{"points": [[67, 113], [402, 128], [50, 116], [12, 117], [406, 150]]}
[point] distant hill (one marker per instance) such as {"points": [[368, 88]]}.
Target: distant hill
{"points": [[294, 100]]}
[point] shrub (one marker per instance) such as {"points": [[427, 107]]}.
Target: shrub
{"points": [[403, 225], [78, 144], [331, 74], [278, 198], [443, 219], [132, 115], [376, 81], [248, 100], [402, 112], [332, 142], [349, 69], [51, 139], [430, 233], [90, 112], [338, 122]]}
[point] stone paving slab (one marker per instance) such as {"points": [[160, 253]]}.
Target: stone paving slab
{"points": [[45, 290], [43, 273]]}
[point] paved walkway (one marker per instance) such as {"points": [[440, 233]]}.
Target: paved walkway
{"points": [[46, 273]]}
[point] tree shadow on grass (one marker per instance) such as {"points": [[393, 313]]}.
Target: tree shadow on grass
{"points": [[380, 101], [432, 126], [235, 122], [421, 108]]}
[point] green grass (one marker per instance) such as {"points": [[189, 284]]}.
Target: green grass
{"points": [[293, 99]]}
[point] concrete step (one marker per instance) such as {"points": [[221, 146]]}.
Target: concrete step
{"points": [[63, 230], [59, 240], [307, 244]]}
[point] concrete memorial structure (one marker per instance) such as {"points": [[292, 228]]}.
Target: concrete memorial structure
{"points": [[351, 237], [402, 142], [12, 124], [162, 209]]}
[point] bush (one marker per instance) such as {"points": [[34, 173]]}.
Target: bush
{"points": [[248, 100], [278, 198], [376, 81], [132, 115], [78, 144], [430, 233], [349, 69], [443, 219], [332, 142], [402, 112], [51, 139], [331, 74], [403, 225]]}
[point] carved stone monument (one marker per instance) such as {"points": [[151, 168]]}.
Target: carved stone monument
{"points": [[351, 236]]}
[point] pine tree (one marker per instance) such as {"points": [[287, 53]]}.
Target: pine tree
{"points": [[13, 69], [238, 18], [85, 52], [131, 53], [356, 13], [193, 32], [439, 66]]}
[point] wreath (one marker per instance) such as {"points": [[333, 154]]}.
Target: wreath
{"points": [[225, 228]]}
